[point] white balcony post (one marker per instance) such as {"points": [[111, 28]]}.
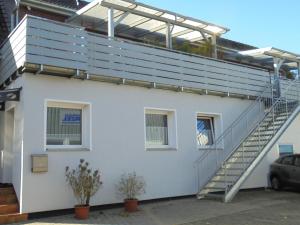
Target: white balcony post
{"points": [[110, 22], [277, 65], [168, 36], [214, 46]]}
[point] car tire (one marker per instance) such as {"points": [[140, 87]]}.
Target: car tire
{"points": [[275, 183]]}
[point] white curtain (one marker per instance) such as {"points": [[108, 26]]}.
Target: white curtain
{"points": [[63, 126], [156, 129]]}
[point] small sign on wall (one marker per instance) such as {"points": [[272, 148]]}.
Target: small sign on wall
{"points": [[39, 163]]}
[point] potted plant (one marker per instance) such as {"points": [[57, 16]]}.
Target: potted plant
{"points": [[85, 183], [131, 186]]}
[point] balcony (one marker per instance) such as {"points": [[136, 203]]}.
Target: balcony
{"points": [[43, 46]]}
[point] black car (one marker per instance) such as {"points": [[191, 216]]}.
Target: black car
{"points": [[285, 171]]}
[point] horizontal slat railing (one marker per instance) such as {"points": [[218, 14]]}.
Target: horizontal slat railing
{"points": [[56, 44], [12, 52], [41, 41], [134, 61], [285, 85]]}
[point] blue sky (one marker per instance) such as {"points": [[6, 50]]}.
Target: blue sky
{"points": [[261, 23]]}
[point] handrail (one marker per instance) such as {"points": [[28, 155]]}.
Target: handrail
{"points": [[268, 88], [270, 110]]}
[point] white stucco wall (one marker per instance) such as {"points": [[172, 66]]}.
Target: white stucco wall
{"points": [[2, 119], [1, 130], [117, 139], [11, 170]]}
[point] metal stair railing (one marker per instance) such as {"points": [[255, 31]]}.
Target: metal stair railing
{"points": [[212, 158], [282, 107]]}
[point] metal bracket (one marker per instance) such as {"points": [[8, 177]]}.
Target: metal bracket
{"points": [[152, 85], [41, 69], [180, 89], [2, 106], [10, 95], [122, 81]]}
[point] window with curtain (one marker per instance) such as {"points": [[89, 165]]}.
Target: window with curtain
{"points": [[205, 131], [156, 129], [64, 126]]}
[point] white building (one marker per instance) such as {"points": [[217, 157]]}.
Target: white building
{"points": [[175, 118]]}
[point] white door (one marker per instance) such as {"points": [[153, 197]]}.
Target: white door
{"points": [[7, 153]]}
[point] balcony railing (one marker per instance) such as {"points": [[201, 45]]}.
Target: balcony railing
{"points": [[39, 41]]}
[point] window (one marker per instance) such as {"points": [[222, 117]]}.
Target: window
{"points": [[286, 150], [67, 125], [64, 126], [14, 19], [160, 129], [157, 129], [287, 160], [205, 131]]}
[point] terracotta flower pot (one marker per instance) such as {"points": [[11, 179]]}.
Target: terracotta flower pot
{"points": [[82, 212], [131, 205]]}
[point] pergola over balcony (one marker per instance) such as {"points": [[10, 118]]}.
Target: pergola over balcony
{"points": [[276, 56], [137, 20]]}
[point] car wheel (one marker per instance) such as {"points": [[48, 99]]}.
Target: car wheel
{"points": [[275, 182]]}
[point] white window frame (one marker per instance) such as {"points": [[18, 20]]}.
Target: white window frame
{"points": [[217, 126], [172, 128], [86, 124]]}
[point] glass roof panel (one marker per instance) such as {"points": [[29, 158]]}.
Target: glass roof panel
{"points": [[146, 18]]}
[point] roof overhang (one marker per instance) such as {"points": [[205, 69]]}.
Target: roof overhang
{"points": [[138, 19], [270, 53], [48, 7]]}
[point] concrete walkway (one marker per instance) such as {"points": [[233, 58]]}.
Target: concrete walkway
{"points": [[248, 208]]}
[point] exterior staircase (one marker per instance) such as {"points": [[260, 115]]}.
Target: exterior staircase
{"points": [[9, 207], [244, 144]]}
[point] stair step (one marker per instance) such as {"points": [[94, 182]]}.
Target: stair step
{"points": [[215, 189], [235, 162], [9, 208], [240, 156], [7, 190], [247, 151], [210, 195], [13, 218], [271, 122], [234, 168], [256, 140], [251, 145], [8, 198], [222, 181], [229, 175]]}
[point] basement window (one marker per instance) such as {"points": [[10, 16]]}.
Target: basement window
{"points": [[285, 149]]}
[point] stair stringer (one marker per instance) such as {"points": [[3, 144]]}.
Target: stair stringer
{"points": [[236, 187]]}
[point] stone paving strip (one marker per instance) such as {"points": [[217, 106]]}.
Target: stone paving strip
{"points": [[248, 208]]}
